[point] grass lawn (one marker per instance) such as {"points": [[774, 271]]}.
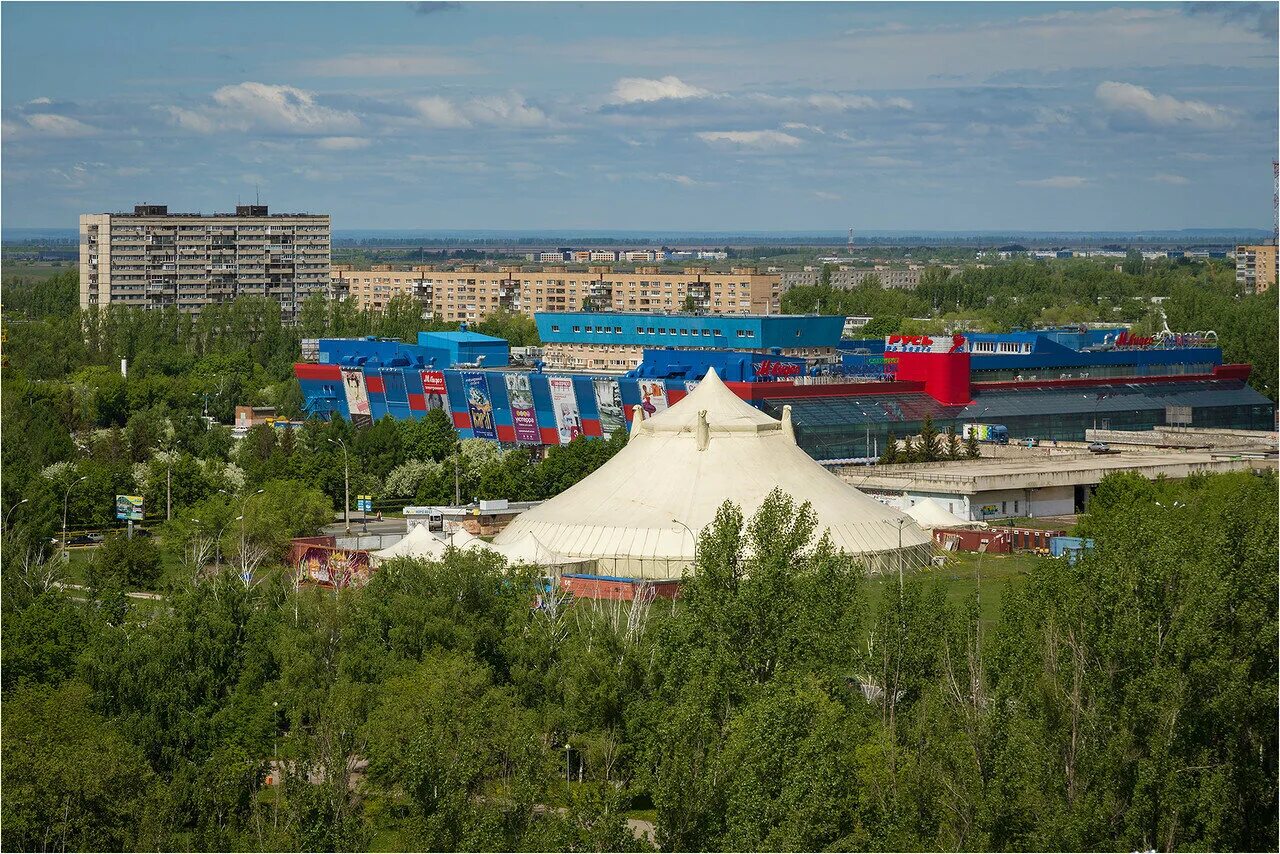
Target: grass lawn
{"points": [[34, 270], [960, 579]]}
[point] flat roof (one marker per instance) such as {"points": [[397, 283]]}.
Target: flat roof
{"points": [[975, 476], [692, 316]]}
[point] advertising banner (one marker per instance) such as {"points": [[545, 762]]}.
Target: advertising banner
{"points": [[925, 344], [480, 405], [609, 405], [433, 388], [690, 385], [129, 507], [393, 386], [565, 406], [357, 397], [523, 417], [653, 397]]}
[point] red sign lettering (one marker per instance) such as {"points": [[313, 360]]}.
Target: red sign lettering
{"points": [[770, 368], [1127, 339]]}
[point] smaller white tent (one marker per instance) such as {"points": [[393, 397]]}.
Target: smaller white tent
{"points": [[929, 513], [419, 544]]}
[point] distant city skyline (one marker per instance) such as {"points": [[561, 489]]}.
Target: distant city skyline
{"points": [[690, 117]]}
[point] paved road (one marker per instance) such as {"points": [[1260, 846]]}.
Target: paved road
{"points": [[135, 594]]}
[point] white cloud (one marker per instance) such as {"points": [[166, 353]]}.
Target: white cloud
{"points": [[1057, 182], [682, 180], [1168, 178], [264, 107], [389, 65], [803, 126], [631, 90], [1137, 102], [510, 110], [52, 124], [763, 139], [343, 143], [35, 102], [441, 113], [884, 161], [826, 196]]}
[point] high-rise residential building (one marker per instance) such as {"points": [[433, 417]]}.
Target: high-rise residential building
{"points": [[154, 259], [1256, 268], [467, 293]]}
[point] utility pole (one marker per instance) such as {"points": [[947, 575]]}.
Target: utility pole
{"points": [[457, 484], [346, 485]]}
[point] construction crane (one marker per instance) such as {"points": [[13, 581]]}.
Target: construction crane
{"points": [[1275, 203]]}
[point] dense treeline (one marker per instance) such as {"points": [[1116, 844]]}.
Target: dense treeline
{"points": [[1128, 701], [1024, 294]]}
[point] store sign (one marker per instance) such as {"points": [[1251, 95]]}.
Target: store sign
{"points": [[771, 368], [1128, 339], [925, 344]]}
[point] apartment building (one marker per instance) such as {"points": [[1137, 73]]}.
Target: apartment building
{"points": [[154, 259], [467, 293], [1256, 268], [852, 277]]}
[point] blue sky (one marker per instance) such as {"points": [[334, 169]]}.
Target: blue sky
{"points": [[715, 116]]}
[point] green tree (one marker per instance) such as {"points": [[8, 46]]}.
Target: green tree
{"points": [[71, 781], [952, 444], [889, 454], [930, 447], [971, 448], [120, 561]]}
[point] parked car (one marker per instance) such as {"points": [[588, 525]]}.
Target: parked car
{"points": [[88, 539], [1098, 448]]}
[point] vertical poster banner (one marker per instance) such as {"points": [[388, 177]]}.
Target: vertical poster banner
{"points": [[435, 391], [480, 406], [565, 406], [690, 385], [653, 397], [357, 397], [523, 416], [609, 405]]}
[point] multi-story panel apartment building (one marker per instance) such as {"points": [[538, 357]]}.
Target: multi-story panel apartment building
{"points": [[154, 259], [1256, 268], [852, 277], [467, 293]]}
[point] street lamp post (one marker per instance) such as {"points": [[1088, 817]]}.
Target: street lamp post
{"points": [[695, 539], [346, 484], [900, 523], [66, 495], [10, 513]]}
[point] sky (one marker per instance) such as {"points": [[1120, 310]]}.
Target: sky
{"points": [[708, 116]]}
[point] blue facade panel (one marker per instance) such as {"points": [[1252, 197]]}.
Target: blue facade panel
{"points": [[755, 332]]}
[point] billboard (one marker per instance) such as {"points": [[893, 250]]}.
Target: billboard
{"points": [[129, 507], [925, 344], [565, 406], [434, 390], [480, 405], [357, 397], [393, 385], [334, 567], [653, 397], [523, 416], [364, 503], [609, 405]]}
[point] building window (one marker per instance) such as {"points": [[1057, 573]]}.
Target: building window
{"points": [[576, 329], [741, 334]]}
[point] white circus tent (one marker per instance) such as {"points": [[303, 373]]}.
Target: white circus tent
{"points": [[639, 514], [929, 513], [421, 544]]}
